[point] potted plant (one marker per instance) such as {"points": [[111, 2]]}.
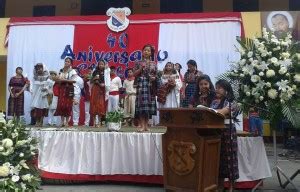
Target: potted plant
{"points": [[114, 120]]}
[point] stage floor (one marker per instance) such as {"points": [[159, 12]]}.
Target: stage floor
{"points": [[125, 129]]}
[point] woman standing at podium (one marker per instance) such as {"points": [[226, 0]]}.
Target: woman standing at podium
{"points": [[228, 158], [204, 93], [66, 92]]}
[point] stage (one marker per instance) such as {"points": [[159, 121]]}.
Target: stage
{"points": [[94, 154]]}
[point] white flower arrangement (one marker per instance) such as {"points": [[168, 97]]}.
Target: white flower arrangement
{"points": [[17, 151], [268, 72]]}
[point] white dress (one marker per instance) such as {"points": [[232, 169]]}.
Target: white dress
{"points": [[39, 95], [173, 98]]}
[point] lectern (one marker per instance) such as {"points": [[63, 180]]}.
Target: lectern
{"points": [[191, 149]]}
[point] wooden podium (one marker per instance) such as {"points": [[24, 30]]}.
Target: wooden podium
{"points": [[191, 149]]}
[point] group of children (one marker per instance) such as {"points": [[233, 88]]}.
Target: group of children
{"points": [[59, 94]]}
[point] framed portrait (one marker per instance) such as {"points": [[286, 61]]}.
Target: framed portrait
{"points": [[281, 22]]}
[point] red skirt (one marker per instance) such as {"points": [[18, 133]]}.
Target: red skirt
{"points": [[38, 113], [65, 100], [97, 105]]}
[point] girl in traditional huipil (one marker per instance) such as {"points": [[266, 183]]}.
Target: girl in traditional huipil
{"points": [[146, 83], [178, 68], [204, 94], [98, 105], [129, 102], [171, 83], [229, 148], [66, 92], [52, 98], [16, 87], [40, 91], [87, 95], [190, 78]]}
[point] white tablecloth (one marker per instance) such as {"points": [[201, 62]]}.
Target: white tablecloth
{"points": [[99, 153], [110, 153], [252, 158]]}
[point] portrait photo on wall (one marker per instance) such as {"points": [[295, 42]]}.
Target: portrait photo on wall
{"points": [[282, 22]]}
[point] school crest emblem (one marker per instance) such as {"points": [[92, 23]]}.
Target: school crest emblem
{"points": [[118, 20], [180, 157]]}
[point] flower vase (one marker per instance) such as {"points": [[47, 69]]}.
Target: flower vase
{"points": [[113, 126]]}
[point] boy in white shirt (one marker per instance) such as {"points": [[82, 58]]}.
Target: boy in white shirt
{"points": [[77, 95], [115, 85]]}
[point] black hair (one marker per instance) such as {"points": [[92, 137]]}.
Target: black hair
{"points": [[19, 68], [152, 51], [192, 62], [97, 69], [228, 89], [130, 69], [69, 59], [173, 69], [180, 67], [211, 93]]}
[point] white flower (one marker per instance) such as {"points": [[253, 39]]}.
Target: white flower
{"points": [[14, 135], [298, 56], [287, 74], [4, 171], [268, 84], [26, 177], [242, 75], [8, 152], [15, 178], [2, 116], [15, 170], [248, 93], [261, 98], [284, 43], [282, 101], [297, 77], [272, 93], [294, 87], [10, 124], [286, 62], [285, 55], [283, 85], [263, 66], [242, 62], [261, 74], [248, 69], [270, 73], [1, 148], [274, 60], [23, 186], [260, 85], [255, 78], [7, 143], [21, 155], [23, 163], [282, 70], [250, 54], [21, 142]]}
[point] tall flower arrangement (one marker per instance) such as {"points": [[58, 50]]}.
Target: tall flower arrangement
{"points": [[17, 150], [268, 74]]}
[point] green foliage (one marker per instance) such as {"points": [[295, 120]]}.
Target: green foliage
{"points": [[115, 116]]}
